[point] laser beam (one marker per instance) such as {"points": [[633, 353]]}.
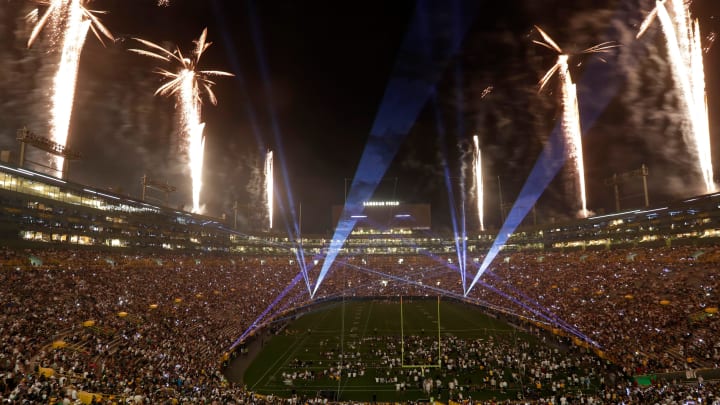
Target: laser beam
{"points": [[292, 224], [262, 315]]}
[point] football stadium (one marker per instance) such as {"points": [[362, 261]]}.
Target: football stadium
{"points": [[524, 223], [111, 299]]}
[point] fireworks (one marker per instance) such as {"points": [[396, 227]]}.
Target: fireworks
{"points": [[682, 35], [487, 90], [68, 13], [186, 84], [477, 170], [571, 114], [68, 22], [269, 186]]}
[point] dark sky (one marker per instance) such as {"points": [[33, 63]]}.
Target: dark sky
{"points": [[310, 77]]}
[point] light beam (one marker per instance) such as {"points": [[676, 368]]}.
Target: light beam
{"points": [[571, 114], [409, 88], [603, 89]]}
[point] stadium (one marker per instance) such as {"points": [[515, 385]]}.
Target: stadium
{"points": [[121, 299], [237, 273]]}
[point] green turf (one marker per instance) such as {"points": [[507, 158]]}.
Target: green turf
{"points": [[315, 342]]}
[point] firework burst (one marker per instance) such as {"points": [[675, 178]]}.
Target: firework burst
{"points": [[187, 84], [68, 22], [683, 39], [66, 13], [571, 114]]}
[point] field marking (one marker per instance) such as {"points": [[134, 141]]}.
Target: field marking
{"points": [[282, 357], [367, 321], [298, 343], [348, 386], [343, 382], [402, 339]]}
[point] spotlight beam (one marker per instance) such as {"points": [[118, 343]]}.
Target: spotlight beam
{"points": [[254, 124], [414, 77], [597, 87], [440, 128], [292, 225]]}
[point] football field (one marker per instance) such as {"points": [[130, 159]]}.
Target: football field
{"points": [[381, 350]]}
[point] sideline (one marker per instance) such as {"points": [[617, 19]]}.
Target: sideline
{"points": [[237, 366]]}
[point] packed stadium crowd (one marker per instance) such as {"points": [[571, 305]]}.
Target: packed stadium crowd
{"points": [[155, 328], [145, 327], [649, 309]]}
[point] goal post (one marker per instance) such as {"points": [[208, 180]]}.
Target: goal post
{"points": [[402, 340]]}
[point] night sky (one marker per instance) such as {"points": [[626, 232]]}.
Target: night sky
{"points": [[310, 77]]}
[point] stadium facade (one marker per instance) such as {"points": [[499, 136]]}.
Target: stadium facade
{"points": [[40, 209]]}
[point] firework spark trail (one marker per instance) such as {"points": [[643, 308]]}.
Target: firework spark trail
{"points": [[571, 127], [683, 40], [186, 85], [65, 80], [193, 128], [571, 124], [571, 114], [479, 192], [269, 186], [69, 22]]}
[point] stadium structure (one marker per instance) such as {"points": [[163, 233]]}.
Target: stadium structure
{"points": [[38, 208], [225, 295]]}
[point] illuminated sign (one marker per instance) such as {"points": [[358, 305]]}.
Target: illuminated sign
{"points": [[380, 203]]}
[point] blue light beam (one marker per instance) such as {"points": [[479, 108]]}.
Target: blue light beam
{"points": [[599, 84], [237, 70], [440, 128], [292, 227], [256, 323], [426, 50]]}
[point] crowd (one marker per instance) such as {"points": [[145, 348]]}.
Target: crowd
{"points": [[155, 328], [148, 327], [648, 309]]}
